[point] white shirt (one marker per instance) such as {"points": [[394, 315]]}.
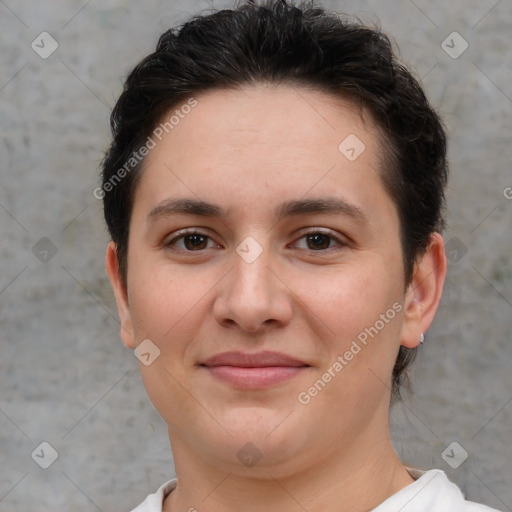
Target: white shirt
{"points": [[431, 492]]}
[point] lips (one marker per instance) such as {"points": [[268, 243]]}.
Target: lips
{"points": [[253, 370], [255, 360]]}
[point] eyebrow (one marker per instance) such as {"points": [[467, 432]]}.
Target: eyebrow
{"points": [[289, 209]]}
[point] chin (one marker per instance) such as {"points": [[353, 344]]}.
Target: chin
{"points": [[273, 436]]}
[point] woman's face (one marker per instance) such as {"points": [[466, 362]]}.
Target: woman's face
{"points": [[294, 250]]}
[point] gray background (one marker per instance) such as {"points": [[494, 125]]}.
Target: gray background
{"points": [[66, 378]]}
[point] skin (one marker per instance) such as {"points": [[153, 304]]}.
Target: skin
{"points": [[248, 151]]}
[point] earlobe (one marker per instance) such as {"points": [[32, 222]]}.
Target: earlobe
{"points": [[119, 287], [425, 291]]}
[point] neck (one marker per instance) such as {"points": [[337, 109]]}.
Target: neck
{"points": [[357, 476]]}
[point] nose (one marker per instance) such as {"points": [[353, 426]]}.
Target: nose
{"points": [[253, 296]]}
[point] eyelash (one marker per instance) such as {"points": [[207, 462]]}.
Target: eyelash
{"points": [[192, 231]]}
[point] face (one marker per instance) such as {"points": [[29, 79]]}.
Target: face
{"points": [[264, 263]]}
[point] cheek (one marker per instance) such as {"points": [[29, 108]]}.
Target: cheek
{"points": [[360, 351], [163, 303], [165, 388], [348, 298], [167, 309], [361, 306]]}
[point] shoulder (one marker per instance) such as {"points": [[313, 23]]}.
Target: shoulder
{"points": [[153, 503], [431, 491]]}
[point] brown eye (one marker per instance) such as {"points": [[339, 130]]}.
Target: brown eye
{"points": [[191, 241], [318, 241], [195, 242]]}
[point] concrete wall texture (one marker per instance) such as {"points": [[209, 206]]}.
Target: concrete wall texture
{"points": [[65, 377]]}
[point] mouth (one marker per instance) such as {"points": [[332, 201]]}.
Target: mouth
{"points": [[253, 370]]}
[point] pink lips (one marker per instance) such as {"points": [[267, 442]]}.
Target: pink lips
{"points": [[253, 371]]}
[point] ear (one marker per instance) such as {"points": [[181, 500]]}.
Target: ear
{"points": [[120, 292], [424, 293]]}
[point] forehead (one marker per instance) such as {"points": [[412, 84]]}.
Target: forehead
{"points": [[262, 141], [288, 118]]}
